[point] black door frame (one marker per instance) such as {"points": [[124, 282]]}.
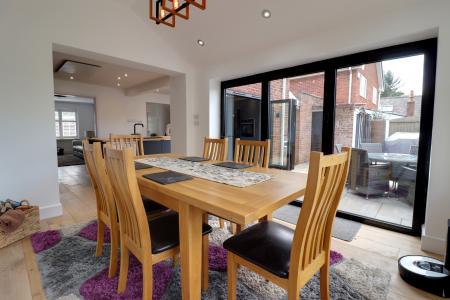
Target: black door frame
{"points": [[292, 119], [427, 47]]}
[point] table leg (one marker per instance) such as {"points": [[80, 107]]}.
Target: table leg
{"points": [[190, 222], [266, 218]]}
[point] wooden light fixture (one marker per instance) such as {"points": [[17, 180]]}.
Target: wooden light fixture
{"points": [[166, 11]]}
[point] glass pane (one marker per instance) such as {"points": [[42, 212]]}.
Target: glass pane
{"points": [[280, 133], [242, 114], [57, 128], [381, 125], [56, 115], [69, 129], [68, 116], [306, 92]]}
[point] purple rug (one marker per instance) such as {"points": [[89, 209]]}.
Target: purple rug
{"points": [[217, 258], [101, 287], [90, 232], [45, 240], [335, 257]]}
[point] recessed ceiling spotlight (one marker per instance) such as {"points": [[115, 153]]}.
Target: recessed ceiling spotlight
{"points": [[201, 43], [125, 75], [118, 84], [118, 78], [71, 78], [266, 13]]}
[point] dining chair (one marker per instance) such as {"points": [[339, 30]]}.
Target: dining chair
{"points": [[287, 257], [255, 153], [106, 207], [122, 141], [252, 152], [149, 240], [215, 149]]}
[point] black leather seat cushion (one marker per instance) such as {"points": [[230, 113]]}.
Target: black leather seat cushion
{"points": [[152, 206], [165, 233], [266, 244]]}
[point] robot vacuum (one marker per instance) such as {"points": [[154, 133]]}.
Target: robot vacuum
{"points": [[427, 273]]}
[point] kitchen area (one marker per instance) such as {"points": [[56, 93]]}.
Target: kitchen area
{"points": [[156, 129]]}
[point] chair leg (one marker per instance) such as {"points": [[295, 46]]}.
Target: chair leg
{"points": [[124, 263], [147, 272], [114, 252], [100, 237], [221, 223], [205, 262], [325, 281], [232, 276]]}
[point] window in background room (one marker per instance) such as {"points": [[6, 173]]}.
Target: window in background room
{"points": [[66, 124], [362, 86], [57, 124]]}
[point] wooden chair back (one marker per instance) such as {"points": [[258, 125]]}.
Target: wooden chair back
{"points": [[122, 141], [88, 148], [326, 180], [252, 152], [106, 207], [134, 231], [215, 149]]}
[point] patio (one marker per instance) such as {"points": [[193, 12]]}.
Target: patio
{"points": [[388, 209]]}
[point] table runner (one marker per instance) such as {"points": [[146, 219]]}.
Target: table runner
{"points": [[210, 172]]}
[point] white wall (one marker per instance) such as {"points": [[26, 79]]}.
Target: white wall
{"points": [[413, 23], [116, 112], [28, 32]]}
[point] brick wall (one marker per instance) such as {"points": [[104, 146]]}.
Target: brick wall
{"points": [[344, 125], [399, 104]]}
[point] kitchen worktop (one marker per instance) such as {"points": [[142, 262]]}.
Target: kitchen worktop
{"points": [[146, 138]]}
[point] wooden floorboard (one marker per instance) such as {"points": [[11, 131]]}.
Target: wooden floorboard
{"points": [[20, 277]]}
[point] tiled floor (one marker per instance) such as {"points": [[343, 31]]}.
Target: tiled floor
{"points": [[389, 209]]}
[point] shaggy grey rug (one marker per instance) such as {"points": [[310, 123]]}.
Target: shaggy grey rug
{"points": [[342, 229], [72, 261], [68, 264], [253, 287]]}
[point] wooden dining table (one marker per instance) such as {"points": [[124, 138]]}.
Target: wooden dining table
{"points": [[195, 198]]}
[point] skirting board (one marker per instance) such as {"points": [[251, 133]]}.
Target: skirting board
{"points": [[50, 211], [433, 244]]}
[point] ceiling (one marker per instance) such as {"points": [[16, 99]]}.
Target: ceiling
{"points": [[100, 73], [234, 27]]}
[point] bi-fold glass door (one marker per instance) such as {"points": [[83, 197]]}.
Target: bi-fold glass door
{"points": [[378, 103]]}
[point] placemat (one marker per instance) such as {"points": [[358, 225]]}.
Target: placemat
{"points": [[167, 177], [140, 166], [194, 158], [232, 165]]}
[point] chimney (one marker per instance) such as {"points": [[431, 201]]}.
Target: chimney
{"points": [[410, 105]]}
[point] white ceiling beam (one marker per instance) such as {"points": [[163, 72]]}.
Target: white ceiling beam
{"points": [[160, 83]]}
